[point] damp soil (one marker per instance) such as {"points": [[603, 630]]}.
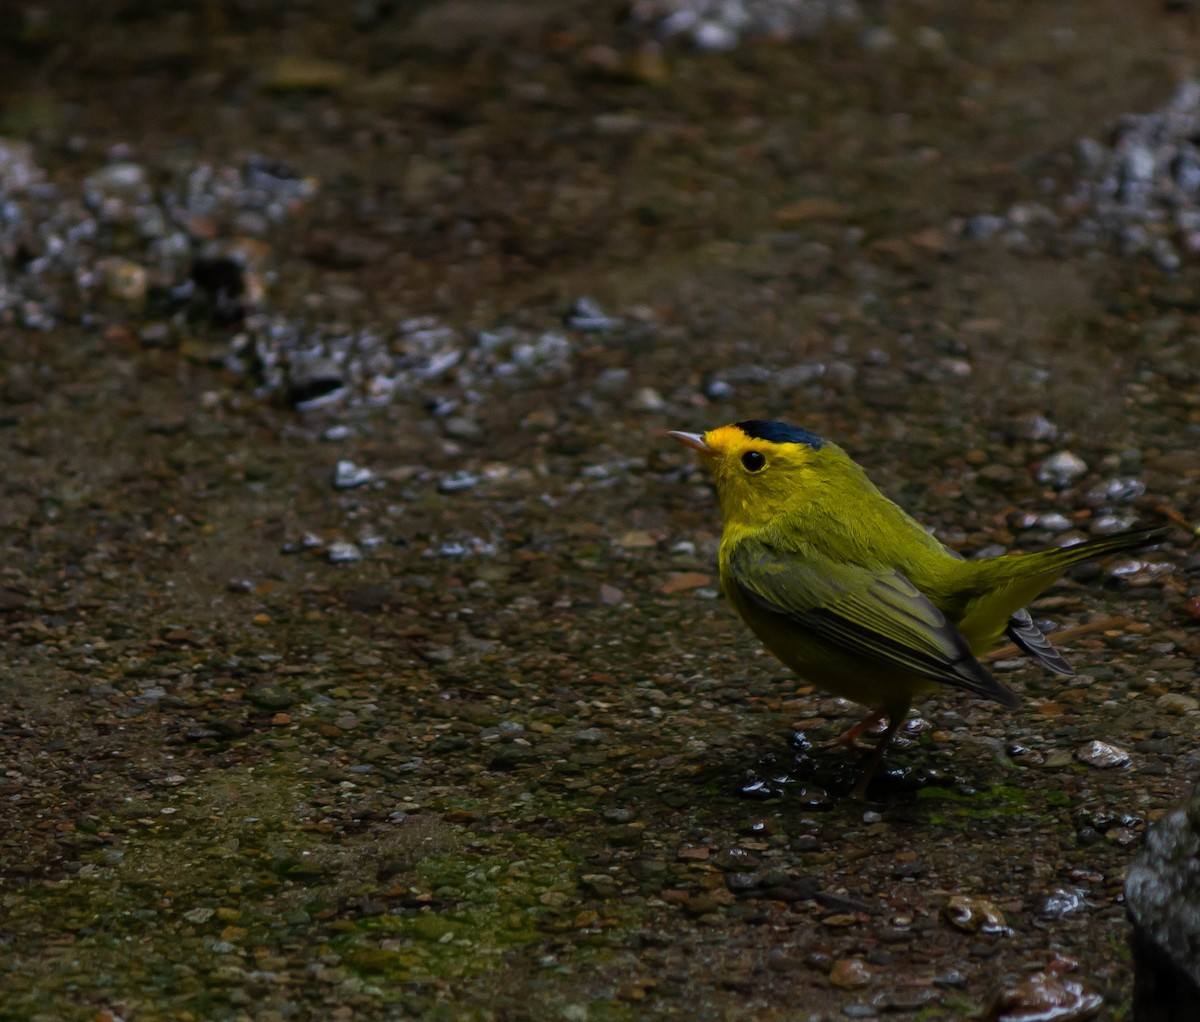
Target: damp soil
{"points": [[465, 730]]}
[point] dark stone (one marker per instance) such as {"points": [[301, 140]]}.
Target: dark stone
{"points": [[793, 890], [509, 757], [270, 696], [1162, 896], [11, 599], [221, 280], [368, 598], [843, 903]]}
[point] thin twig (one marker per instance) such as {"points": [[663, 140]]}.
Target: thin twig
{"points": [[1169, 512]]}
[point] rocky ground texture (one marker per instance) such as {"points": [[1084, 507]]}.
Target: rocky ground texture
{"points": [[363, 653]]}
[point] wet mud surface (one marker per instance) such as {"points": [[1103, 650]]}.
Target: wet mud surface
{"points": [[363, 650]]}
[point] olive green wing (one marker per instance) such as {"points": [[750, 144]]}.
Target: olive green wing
{"points": [[879, 616]]}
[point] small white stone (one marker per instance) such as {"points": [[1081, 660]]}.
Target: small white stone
{"points": [[343, 553], [348, 475], [647, 399], [1062, 469], [1102, 756]]}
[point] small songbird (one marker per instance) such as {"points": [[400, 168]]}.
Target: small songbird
{"points": [[855, 596]]}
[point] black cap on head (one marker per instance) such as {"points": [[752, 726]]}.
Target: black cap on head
{"points": [[779, 433]]}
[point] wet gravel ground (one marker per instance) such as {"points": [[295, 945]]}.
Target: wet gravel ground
{"points": [[363, 651]]}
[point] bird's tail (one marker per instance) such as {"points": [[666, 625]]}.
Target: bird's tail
{"points": [[1006, 584], [1061, 558]]}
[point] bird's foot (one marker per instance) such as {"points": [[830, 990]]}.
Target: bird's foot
{"points": [[849, 738], [859, 791]]}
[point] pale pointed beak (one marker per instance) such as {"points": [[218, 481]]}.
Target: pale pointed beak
{"points": [[693, 440]]}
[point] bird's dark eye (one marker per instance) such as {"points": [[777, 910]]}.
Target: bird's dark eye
{"points": [[752, 461]]}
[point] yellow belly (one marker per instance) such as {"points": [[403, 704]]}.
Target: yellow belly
{"points": [[831, 668]]}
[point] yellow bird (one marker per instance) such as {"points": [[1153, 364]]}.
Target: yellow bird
{"points": [[855, 596]]}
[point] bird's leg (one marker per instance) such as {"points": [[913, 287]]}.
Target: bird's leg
{"points": [[849, 738], [859, 792]]}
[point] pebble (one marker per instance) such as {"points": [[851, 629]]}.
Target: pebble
{"points": [[18, 167], [684, 580], [511, 755], [1023, 754], [1118, 490], [975, 915], [456, 482], [714, 36], [647, 399], [459, 427], [709, 901], [735, 859], [791, 890], [850, 974], [792, 377], [1035, 428], [314, 382], [347, 475], [1134, 572], [878, 38], [720, 25], [952, 979], [1191, 607], [611, 596], [588, 736], [587, 316], [1102, 755], [125, 280], [126, 179], [294, 72], [741, 883], [1053, 521], [611, 382], [1062, 469], [1044, 997], [1061, 902], [271, 696], [1177, 703], [343, 553], [1110, 524]]}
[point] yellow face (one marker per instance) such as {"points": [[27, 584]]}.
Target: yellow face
{"points": [[758, 467]]}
